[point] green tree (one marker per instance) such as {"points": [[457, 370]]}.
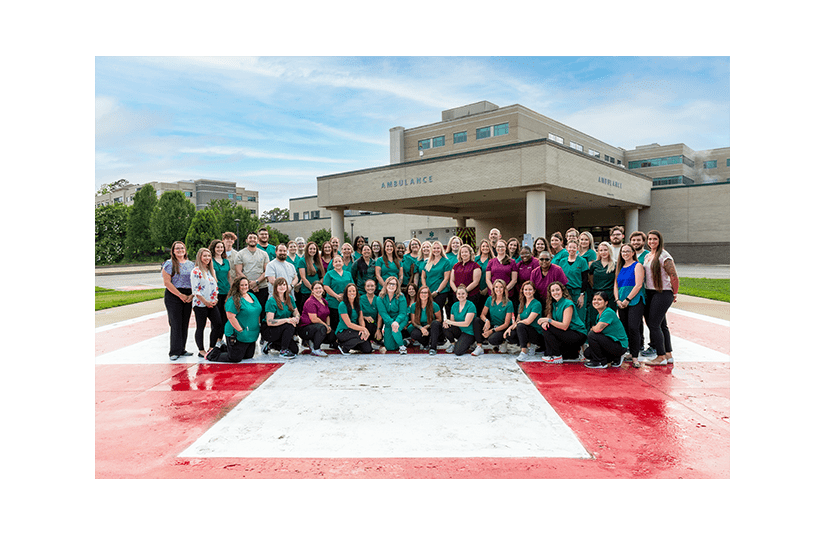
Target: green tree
{"points": [[322, 235], [110, 233], [275, 215], [276, 236], [227, 212], [171, 218], [202, 230], [138, 234]]}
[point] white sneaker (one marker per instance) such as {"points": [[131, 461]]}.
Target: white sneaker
{"points": [[477, 351], [523, 357], [531, 351], [552, 360], [450, 348], [318, 353], [402, 350]]}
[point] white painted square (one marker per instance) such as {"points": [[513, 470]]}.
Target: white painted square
{"points": [[373, 406]]}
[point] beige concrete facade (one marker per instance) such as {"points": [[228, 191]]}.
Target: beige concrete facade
{"points": [[514, 169], [198, 192]]}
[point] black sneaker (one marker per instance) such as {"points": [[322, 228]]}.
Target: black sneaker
{"points": [[618, 364], [593, 364]]}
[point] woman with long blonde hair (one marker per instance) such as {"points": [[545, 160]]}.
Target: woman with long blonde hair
{"points": [[436, 274], [205, 300]]}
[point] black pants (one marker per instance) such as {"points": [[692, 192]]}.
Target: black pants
{"points": [[178, 313], [262, 295], [462, 340], [603, 350], [349, 339], [280, 337], [565, 343], [631, 318], [524, 334], [238, 351], [496, 338], [317, 334], [656, 307], [215, 323], [441, 301], [431, 340], [222, 309]]}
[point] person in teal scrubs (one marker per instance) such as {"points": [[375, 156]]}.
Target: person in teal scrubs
{"points": [[352, 333], [525, 331], [335, 280], [388, 265], [564, 332], [310, 268], [369, 309], [425, 320], [497, 315], [607, 340], [576, 269], [485, 253], [463, 326], [392, 307], [222, 267], [436, 274], [363, 269], [243, 326]]}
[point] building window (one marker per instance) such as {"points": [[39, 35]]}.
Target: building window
{"points": [[316, 214], [593, 153], [574, 145], [557, 139], [306, 215], [501, 129], [296, 216], [482, 133], [612, 159], [670, 180], [250, 199], [424, 144], [728, 162], [710, 164], [656, 162], [438, 141], [459, 137]]}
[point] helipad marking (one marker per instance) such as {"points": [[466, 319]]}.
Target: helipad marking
{"points": [[392, 406]]}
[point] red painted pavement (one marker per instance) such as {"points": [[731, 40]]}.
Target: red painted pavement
{"points": [[668, 422]]}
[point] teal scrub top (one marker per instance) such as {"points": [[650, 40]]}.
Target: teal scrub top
{"points": [[423, 319], [557, 314], [453, 258], [393, 310], [342, 311], [482, 284], [249, 317], [533, 306], [302, 264], [615, 329], [387, 271], [435, 275], [337, 283], [222, 276], [574, 272], [280, 314], [498, 311], [460, 314], [410, 269], [361, 279], [369, 309], [602, 280], [589, 255]]}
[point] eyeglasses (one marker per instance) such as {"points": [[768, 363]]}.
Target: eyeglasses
{"points": [[544, 259]]}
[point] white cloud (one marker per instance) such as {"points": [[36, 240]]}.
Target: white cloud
{"points": [[255, 153]]}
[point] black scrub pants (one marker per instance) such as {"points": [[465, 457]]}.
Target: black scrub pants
{"points": [[178, 314], [565, 343]]}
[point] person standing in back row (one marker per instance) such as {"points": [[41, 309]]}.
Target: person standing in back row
{"points": [[661, 288], [250, 262]]}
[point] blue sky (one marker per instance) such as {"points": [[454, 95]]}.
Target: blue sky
{"points": [[273, 124]]}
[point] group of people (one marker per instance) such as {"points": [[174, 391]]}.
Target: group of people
{"points": [[560, 300]]}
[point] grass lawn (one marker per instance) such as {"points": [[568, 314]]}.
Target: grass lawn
{"points": [[717, 289], [106, 298]]}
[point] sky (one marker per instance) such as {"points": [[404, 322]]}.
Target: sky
{"points": [[274, 124]]}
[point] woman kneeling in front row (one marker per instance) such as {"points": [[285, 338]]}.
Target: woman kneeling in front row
{"points": [[281, 321], [243, 325], [607, 339], [463, 327], [425, 317], [352, 334], [563, 330]]}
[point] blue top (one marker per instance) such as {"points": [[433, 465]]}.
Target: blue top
{"points": [[626, 281], [182, 279]]}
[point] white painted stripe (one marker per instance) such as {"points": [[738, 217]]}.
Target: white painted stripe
{"points": [[709, 319], [132, 321], [379, 406]]}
